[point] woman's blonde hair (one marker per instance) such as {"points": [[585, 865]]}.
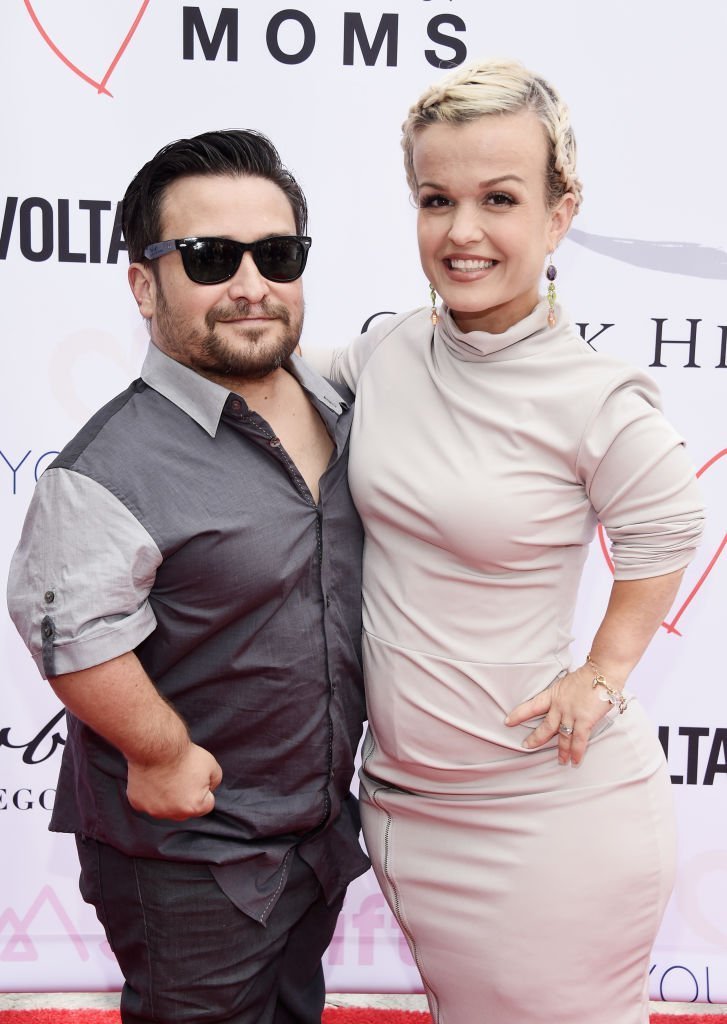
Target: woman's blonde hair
{"points": [[499, 87]]}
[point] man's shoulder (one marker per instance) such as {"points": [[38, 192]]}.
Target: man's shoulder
{"points": [[124, 428], [105, 417]]}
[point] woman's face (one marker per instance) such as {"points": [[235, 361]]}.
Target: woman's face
{"points": [[484, 226]]}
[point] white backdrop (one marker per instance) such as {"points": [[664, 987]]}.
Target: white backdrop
{"points": [[91, 90]]}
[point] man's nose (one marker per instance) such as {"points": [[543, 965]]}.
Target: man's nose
{"points": [[248, 283]]}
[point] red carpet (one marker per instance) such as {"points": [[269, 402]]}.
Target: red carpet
{"points": [[346, 1015]]}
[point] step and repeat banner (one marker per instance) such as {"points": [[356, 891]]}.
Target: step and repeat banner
{"points": [[91, 90]]}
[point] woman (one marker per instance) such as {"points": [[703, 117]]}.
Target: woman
{"points": [[488, 440]]}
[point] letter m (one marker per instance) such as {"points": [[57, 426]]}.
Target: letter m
{"points": [[388, 29], [193, 26]]}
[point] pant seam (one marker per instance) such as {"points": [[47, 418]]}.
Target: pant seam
{"points": [[142, 907]]}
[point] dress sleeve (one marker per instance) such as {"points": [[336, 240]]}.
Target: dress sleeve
{"points": [[79, 583], [640, 481], [345, 365]]}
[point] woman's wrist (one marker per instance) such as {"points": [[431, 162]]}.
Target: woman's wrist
{"points": [[608, 689], [614, 669]]}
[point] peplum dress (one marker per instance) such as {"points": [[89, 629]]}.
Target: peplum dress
{"points": [[480, 465]]}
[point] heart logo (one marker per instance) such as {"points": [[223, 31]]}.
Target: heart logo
{"points": [[100, 86], [671, 627]]}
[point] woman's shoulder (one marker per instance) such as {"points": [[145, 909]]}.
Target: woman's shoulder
{"points": [[410, 323], [598, 374], [364, 353]]}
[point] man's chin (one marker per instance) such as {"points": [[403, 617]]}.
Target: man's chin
{"points": [[250, 366], [261, 371]]}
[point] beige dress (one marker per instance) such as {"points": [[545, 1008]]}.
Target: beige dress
{"points": [[528, 891]]}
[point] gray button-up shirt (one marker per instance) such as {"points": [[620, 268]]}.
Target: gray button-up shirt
{"points": [[176, 525]]}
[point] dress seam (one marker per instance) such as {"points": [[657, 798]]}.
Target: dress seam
{"points": [[397, 908], [553, 660]]}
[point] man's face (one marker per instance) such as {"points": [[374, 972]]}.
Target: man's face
{"points": [[244, 328]]}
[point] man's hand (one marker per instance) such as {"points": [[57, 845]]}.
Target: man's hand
{"points": [[178, 789], [168, 775]]}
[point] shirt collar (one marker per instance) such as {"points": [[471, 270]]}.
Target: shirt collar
{"points": [[203, 400], [315, 385]]}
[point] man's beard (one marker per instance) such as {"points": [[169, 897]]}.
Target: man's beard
{"points": [[215, 357]]}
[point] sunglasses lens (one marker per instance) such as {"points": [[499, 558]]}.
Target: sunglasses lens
{"points": [[280, 259], [211, 260]]}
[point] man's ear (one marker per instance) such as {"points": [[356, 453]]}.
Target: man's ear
{"points": [[144, 286]]}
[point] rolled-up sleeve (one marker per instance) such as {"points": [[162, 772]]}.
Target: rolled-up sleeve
{"points": [[640, 481], [80, 577]]}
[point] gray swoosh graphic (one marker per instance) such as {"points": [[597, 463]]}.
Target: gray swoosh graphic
{"points": [[687, 258]]}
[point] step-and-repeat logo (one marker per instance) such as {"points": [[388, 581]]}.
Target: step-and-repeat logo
{"points": [[290, 38], [63, 48]]}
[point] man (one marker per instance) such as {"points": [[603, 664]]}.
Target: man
{"points": [[188, 579]]}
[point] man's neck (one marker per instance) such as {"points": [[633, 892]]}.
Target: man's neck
{"points": [[263, 392]]}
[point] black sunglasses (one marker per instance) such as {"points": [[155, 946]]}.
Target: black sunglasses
{"points": [[213, 260]]}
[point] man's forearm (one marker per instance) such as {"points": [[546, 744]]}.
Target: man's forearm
{"points": [[169, 776], [118, 700]]}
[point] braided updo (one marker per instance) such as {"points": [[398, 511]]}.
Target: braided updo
{"points": [[499, 87]]}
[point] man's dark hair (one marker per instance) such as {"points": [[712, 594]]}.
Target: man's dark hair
{"points": [[234, 152]]}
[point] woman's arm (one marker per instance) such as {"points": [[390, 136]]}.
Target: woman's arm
{"points": [[636, 609], [345, 365], [643, 488]]}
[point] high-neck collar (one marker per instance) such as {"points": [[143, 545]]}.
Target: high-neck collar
{"points": [[476, 346]]}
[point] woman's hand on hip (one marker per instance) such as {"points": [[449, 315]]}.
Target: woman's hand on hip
{"points": [[571, 706]]}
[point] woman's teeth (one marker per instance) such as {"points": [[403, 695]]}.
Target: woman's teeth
{"points": [[467, 265]]}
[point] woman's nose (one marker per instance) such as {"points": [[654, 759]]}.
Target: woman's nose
{"points": [[466, 225]]}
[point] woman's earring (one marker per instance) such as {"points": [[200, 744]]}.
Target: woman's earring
{"points": [[434, 314], [551, 273]]}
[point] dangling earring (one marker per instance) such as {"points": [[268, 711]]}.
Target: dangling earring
{"points": [[434, 314], [551, 273]]}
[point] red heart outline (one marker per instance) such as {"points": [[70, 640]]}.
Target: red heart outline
{"points": [[99, 86], [670, 627]]}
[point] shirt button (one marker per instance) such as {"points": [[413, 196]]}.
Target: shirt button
{"points": [[275, 443], [49, 596], [328, 600], [236, 405]]}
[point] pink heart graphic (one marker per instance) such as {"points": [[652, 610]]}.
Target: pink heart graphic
{"points": [[670, 627], [99, 86]]}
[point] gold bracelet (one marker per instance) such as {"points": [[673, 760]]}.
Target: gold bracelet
{"points": [[615, 697]]}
